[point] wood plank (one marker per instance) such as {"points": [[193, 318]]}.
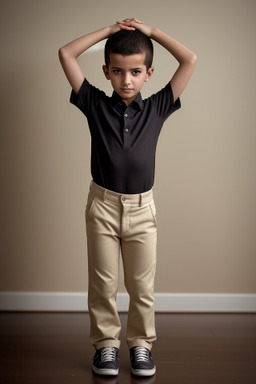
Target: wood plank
{"points": [[40, 348]]}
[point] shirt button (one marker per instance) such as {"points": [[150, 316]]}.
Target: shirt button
{"points": [[123, 198], [126, 130], [126, 115]]}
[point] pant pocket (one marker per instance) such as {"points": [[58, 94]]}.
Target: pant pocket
{"points": [[89, 206], [153, 210]]}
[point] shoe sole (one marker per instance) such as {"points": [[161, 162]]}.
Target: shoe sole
{"points": [[105, 371], [144, 372]]}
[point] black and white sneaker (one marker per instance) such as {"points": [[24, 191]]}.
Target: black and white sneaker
{"points": [[142, 362], [105, 361]]}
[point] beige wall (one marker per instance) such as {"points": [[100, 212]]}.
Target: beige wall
{"points": [[205, 177]]}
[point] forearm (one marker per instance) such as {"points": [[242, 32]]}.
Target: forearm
{"points": [[179, 51], [69, 53], [77, 47]]}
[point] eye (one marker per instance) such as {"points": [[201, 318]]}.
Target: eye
{"points": [[117, 71], [136, 72]]}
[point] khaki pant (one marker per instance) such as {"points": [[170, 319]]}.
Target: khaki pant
{"points": [[121, 223]]}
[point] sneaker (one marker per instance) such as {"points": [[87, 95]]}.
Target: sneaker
{"points": [[105, 361], [142, 362]]}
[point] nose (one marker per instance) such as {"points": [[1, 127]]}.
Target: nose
{"points": [[126, 79]]}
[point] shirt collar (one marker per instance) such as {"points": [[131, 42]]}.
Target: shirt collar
{"points": [[116, 100]]}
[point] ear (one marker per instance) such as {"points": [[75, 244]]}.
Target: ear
{"points": [[149, 74], [106, 72]]}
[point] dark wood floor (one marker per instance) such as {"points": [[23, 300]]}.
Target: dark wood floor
{"points": [[47, 348]]}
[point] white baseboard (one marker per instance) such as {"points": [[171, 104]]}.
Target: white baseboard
{"points": [[164, 302]]}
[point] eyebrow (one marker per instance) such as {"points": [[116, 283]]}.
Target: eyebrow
{"points": [[131, 69]]}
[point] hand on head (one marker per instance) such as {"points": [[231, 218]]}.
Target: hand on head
{"points": [[129, 24], [132, 24]]}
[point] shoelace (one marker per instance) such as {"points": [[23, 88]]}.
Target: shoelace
{"points": [[108, 354], [141, 354]]}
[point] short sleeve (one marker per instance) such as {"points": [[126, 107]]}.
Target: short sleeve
{"points": [[87, 98], [163, 102]]}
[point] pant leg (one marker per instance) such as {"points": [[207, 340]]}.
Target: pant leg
{"points": [[139, 261], [103, 244]]}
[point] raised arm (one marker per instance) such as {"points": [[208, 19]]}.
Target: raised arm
{"points": [[69, 53], [186, 58]]}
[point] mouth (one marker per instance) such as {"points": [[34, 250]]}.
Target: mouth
{"points": [[126, 89]]}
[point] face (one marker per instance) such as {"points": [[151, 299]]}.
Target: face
{"points": [[127, 74]]}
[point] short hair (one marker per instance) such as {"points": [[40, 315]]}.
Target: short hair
{"points": [[129, 43]]}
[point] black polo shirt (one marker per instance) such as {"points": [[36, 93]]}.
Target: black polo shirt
{"points": [[124, 138]]}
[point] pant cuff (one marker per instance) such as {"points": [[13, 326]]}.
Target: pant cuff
{"points": [[107, 343], [139, 343]]}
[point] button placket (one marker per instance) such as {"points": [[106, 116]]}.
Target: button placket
{"points": [[126, 131]]}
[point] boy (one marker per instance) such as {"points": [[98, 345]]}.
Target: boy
{"points": [[120, 211]]}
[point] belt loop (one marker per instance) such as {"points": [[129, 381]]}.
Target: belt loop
{"points": [[141, 200], [104, 194]]}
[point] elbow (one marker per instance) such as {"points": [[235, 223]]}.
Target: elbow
{"points": [[193, 59], [61, 53], [190, 60]]}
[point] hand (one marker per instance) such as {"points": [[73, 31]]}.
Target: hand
{"points": [[125, 24], [132, 24], [129, 24]]}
